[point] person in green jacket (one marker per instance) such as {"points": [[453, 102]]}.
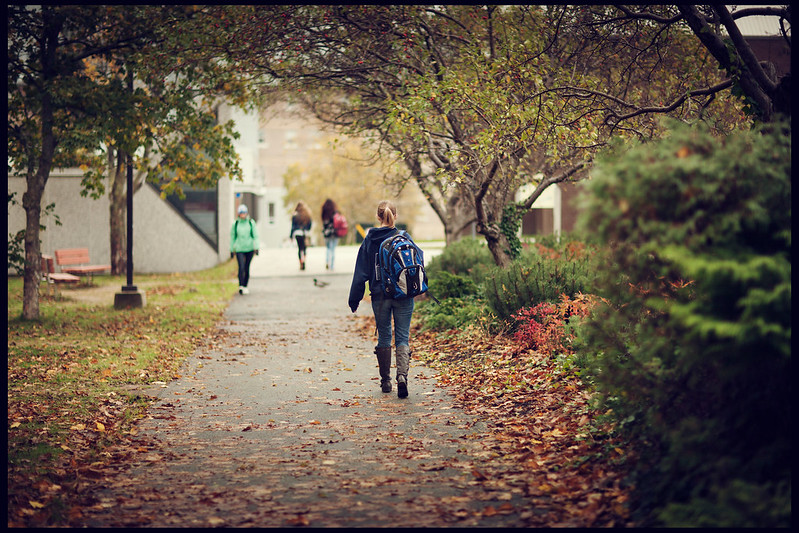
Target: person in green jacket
{"points": [[244, 243]]}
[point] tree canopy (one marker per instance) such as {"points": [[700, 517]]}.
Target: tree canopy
{"points": [[70, 101], [478, 100], [474, 101]]}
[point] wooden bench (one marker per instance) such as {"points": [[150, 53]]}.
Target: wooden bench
{"points": [[52, 277], [76, 261]]}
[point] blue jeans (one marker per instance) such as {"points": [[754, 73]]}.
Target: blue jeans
{"points": [[330, 243], [401, 310]]}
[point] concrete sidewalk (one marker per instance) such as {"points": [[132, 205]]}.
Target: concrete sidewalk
{"points": [[283, 261], [278, 420]]}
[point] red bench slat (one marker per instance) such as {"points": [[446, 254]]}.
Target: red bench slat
{"points": [[74, 261]]}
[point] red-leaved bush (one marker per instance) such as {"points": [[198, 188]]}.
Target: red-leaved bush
{"points": [[545, 327]]}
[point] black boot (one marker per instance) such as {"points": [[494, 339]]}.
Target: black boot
{"points": [[384, 363]]}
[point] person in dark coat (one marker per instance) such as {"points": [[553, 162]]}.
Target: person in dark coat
{"points": [[385, 309], [300, 229]]}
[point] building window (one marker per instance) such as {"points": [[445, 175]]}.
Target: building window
{"points": [[271, 212], [199, 208]]}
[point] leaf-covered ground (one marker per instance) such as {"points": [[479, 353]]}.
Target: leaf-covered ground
{"points": [[539, 418], [492, 439], [74, 379]]}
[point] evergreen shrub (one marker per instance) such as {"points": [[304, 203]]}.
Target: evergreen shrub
{"points": [[691, 349], [446, 285], [468, 257], [453, 313], [532, 280]]}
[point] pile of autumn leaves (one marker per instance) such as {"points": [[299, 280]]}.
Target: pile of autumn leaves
{"points": [[539, 421]]}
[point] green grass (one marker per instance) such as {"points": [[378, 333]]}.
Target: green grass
{"points": [[75, 376]]}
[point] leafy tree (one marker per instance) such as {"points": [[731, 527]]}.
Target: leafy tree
{"points": [[71, 103], [691, 350], [767, 97], [179, 85], [477, 100], [52, 102]]}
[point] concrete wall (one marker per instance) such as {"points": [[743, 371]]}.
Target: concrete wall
{"points": [[162, 241]]}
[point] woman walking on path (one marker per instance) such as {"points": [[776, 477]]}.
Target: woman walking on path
{"points": [[329, 210], [300, 227], [384, 308], [244, 242]]}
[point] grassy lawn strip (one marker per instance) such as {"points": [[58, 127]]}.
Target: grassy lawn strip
{"points": [[76, 376]]}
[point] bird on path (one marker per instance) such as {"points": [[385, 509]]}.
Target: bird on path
{"points": [[320, 284]]}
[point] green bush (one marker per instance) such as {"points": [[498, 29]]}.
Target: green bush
{"points": [[454, 277], [452, 313], [691, 352], [468, 257], [532, 280], [446, 285]]}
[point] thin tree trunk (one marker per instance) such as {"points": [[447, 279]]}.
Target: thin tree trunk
{"points": [[117, 215], [459, 217], [36, 179], [488, 206], [32, 202], [454, 211]]}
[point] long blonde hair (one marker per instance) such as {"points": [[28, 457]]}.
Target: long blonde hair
{"points": [[387, 213], [302, 213]]}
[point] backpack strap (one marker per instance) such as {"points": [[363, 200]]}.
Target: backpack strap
{"points": [[236, 233], [252, 230], [383, 296]]}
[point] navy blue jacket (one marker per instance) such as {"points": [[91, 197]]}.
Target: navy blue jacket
{"points": [[298, 228], [366, 266]]}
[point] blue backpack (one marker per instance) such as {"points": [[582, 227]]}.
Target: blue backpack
{"points": [[400, 265]]}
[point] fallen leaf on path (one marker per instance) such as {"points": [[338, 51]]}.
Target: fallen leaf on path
{"points": [[300, 520]]}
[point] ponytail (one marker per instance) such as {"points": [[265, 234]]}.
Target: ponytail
{"points": [[387, 213]]}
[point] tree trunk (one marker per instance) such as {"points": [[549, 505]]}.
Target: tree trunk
{"points": [[498, 246], [753, 80], [39, 172], [459, 217], [496, 191], [454, 211], [117, 216], [32, 202]]}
